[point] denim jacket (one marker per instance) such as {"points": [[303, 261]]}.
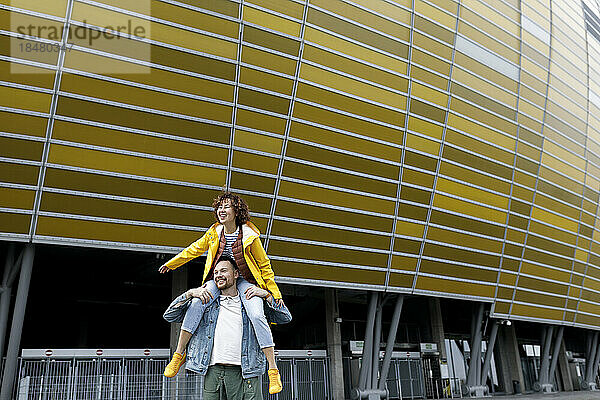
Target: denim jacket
{"points": [[201, 343]]}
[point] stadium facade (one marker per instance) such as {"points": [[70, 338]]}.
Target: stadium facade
{"points": [[444, 151]]}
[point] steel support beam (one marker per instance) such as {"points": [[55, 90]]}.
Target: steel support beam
{"points": [[488, 353], [595, 369], [16, 329], [334, 343], [376, 345], [365, 365], [389, 347], [545, 361], [555, 353], [5, 297], [472, 377], [591, 359]]}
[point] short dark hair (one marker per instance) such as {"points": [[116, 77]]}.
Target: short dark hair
{"points": [[225, 257], [242, 213]]}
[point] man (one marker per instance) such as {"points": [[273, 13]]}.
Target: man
{"points": [[224, 348]]}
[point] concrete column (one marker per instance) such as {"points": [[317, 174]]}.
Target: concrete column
{"points": [[179, 284], [16, 328], [563, 367], [509, 360], [334, 343], [437, 326]]}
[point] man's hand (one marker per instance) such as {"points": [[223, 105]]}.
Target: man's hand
{"points": [[200, 292], [163, 269], [256, 291]]}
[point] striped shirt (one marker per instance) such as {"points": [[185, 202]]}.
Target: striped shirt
{"points": [[230, 238]]}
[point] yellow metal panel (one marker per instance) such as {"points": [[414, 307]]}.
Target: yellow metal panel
{"points": [[140, 143], [265, 80], [474, 210], [480, 131], [258, 184], [367, 18], [52, 7], [400, 280], [268, 60], [271, 21], [14, 223], [406, 228], [538, 298], [252, 119], [348, 123], [339, 179], [323, 253], [425, 127], [255, 162], [355, 50], [21, 149], [133, 211], [157, 31], [19, 173], [346, 142], [452, 286], [350, 104], [507, 278], [25, 99], [145, 98], [17, 198], [435, 14], [330, 235], [156, 77], [328, 273], [536, 312], [332, 215], [26, 74], [423, 144], [333, 197], [257, 141], [23, 124], [113, 232], [352, 86], [287, 7], [404, 263], [135, 165]]}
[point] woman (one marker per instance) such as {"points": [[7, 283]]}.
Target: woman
{"points": [[233, 234]]}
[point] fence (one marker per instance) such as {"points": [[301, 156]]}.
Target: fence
{"points": [[102, 378]]}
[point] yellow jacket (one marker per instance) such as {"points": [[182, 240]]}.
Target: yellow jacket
{"points": [[254, 253]]}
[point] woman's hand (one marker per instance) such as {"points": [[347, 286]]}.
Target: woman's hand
{"points": [[256, 291], [200, 292], [163, 269]]}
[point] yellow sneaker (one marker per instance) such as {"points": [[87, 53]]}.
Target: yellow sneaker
{"points": [[275, 385], [173, 367]]}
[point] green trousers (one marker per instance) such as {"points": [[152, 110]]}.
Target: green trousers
{"points": [[225, 382]]}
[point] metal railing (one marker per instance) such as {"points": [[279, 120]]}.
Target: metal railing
{"points": [[304, 378]]}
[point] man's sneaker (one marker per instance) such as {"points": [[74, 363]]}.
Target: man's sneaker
{"points": [[275, 385], [173, 367]]}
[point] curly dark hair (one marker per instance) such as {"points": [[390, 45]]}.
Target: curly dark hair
{"points": [[242, 213]]}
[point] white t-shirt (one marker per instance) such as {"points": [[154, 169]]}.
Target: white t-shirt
{"points": [[227, 344]]}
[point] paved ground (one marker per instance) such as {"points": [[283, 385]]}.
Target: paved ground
{"points": [[563, 395]]}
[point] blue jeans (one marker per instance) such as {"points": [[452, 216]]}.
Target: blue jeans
{"points": [[254, 310]]}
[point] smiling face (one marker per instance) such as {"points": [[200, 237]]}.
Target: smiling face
{"points": [[225, 276], [226, 212]]}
